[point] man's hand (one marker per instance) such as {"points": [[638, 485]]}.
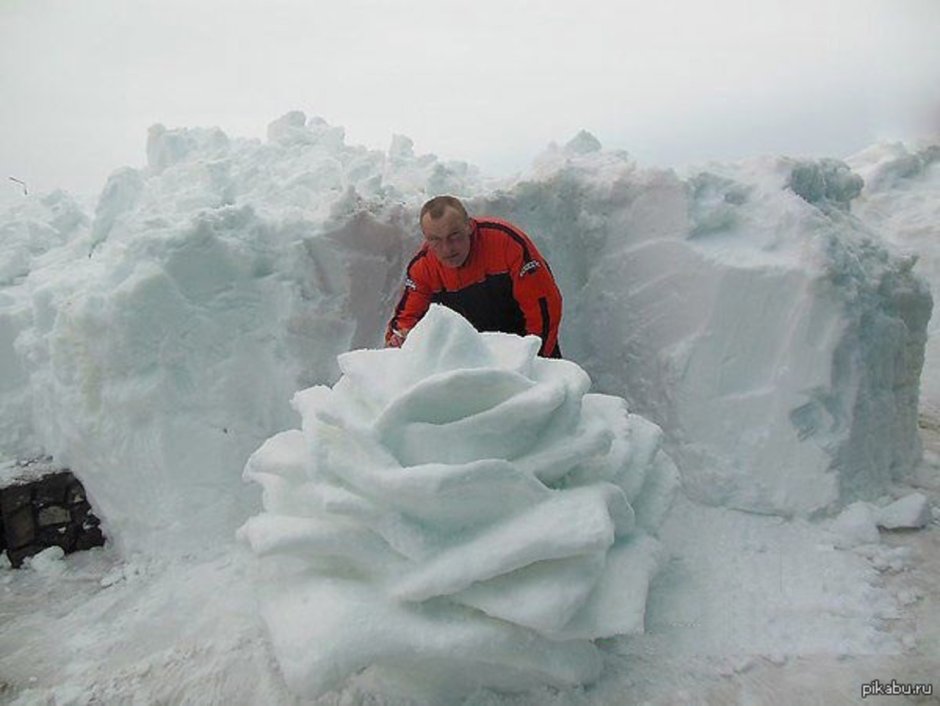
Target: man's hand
{"points": [[395, 338]]}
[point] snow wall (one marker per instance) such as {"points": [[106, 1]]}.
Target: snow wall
{"points": [[744, 309], [900, 202]]}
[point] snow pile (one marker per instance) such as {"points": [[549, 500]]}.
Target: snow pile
{"points": [[750, 310], [744, 310], [457, 511], [900, 203], [33, 227], [34, 233], [160, 348]]}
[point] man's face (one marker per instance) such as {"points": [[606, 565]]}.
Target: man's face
{"points": [[448, 236]]}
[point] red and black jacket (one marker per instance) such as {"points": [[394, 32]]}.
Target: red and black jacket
{"points": [[504, 285]]}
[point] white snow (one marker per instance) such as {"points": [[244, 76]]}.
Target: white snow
{"points": [[15, 472], [48, 561], [855, 525], [910, 512], [157, 348], [438, 477], [767, 316], [769, 334]]}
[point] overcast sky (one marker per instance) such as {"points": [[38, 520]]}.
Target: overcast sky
{"points": [[491, 82]]}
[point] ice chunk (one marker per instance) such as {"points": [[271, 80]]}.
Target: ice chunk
{"points": [[910, 512], [474, 513], [827, 181], [48, 561], [855, 525]]}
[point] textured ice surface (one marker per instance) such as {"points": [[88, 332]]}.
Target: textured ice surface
{"points": [[458, 509], [900, 203]]}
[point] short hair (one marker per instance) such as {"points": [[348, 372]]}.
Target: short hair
{"points": [[436, 206]]}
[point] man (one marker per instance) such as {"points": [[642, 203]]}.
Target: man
{"points": [[486, 269]]}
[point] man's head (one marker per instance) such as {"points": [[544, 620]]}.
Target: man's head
{"points": [[446, 228]]}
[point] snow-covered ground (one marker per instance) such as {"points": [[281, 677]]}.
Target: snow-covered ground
{"points": [[758, 312], [751, 610]]}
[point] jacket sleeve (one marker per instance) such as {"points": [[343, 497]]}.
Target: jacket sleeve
{"points": [[414, 302], [535, 290]]}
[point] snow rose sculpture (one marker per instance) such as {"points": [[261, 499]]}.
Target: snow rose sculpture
{"points": [[458, 511]]}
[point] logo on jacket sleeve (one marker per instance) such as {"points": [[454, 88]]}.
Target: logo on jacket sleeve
{"points": [[410, 283], [529, 267]]}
